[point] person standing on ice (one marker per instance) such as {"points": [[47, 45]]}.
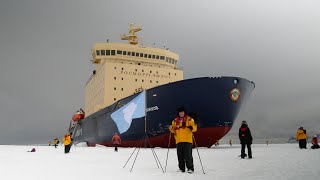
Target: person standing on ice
{"points": [[67, 143], [183, 127], [245, 139], [315, 144], [55, 142], [302, 138], [116, 140]]}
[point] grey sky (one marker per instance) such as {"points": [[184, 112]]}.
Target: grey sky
{"points": [[45, 52]]}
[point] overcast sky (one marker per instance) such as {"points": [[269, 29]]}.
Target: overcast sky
{"points": [[45, 57]]}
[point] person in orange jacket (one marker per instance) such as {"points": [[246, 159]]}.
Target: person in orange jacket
{"points": [[301, 136], [116, 141], [183, 127], [315, 144]]}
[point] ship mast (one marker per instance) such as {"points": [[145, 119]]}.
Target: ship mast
{"points": [[132, 37]]}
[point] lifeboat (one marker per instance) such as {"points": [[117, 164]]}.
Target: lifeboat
{"points": [[78, 116]]}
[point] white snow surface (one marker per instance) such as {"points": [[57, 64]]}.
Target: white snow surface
{"points": [[276, 161]]}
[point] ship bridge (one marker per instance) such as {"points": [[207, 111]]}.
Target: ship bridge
{"points": [[124, 69]]}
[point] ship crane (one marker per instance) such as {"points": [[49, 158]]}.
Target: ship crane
{"points": [[132, 37]]}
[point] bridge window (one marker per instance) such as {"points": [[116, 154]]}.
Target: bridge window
{"points": [[137, 54], [136, 80], [108, 52], [153, 56], [129, 53], [114, 88], [121, 78], [157, 57], [162, 57], [119, 52], [121, 89], [114, 99], [141, 54], [103, 52], [132, 53], [98, 52], [113, 52], [145, 55], [124, 52], [149, 56], [115, 78], [142, 80]]}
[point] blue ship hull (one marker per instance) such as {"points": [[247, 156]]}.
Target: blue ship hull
{"points": [[206, 99]]}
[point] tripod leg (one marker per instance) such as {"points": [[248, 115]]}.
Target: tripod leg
{"points": [[135, 159], [136, 156], [130, 157], [147, 141], [195, 143], [165, 169], [154, 154], [132, 154]]}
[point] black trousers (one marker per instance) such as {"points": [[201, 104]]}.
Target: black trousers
{"points": [[115, 147], [303, 144], [184, 151], [67, 148], [243, 146]]}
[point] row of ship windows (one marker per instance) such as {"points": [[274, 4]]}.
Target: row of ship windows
{"points": [[141, 71], [142, 80], [127, 53]]}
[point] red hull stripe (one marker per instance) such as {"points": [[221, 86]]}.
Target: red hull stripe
{"points": [[205, 137]]}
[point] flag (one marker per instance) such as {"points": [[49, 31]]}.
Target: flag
{"points": [[134, 109]]}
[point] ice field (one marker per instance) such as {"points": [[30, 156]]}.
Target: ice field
{"points": [[276, 161]]}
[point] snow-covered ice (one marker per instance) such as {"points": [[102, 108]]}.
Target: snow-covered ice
{"points": [[276, 161]]}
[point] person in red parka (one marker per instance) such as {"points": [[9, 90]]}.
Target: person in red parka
{"points": [[315, 144], [116, 140]]}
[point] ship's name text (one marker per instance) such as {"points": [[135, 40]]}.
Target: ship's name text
{"points": [[145, 74], [154, 108]]}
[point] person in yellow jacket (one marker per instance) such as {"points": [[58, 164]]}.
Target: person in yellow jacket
{"points": [[55, 142], [183, 127], [302, 138], [67, 143]]}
